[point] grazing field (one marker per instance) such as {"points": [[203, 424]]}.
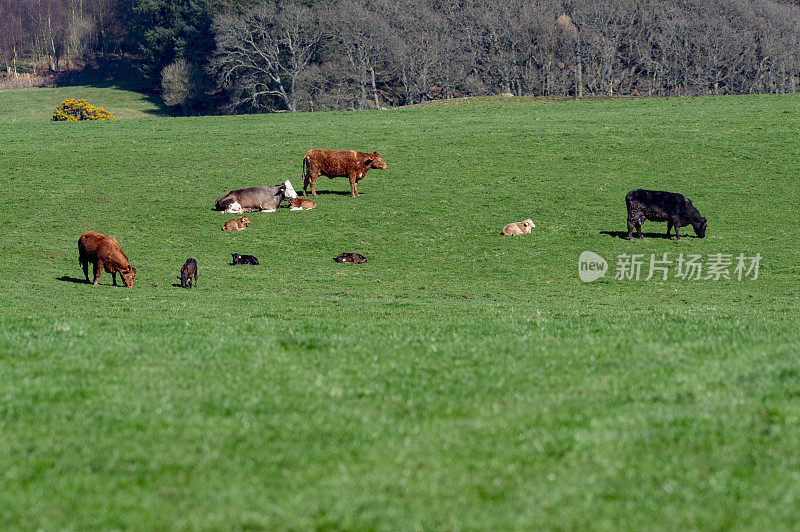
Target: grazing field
{"points": [[458, 380], [37, 105]]}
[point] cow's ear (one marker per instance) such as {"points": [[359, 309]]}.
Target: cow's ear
{"points": [[369, 160]]}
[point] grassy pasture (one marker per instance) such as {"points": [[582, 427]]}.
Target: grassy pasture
{"points": [[38, 105], [458, 380]]}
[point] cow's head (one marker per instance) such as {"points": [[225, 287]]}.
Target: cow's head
{"points": [[700, 227], [528, 225], [233, 207], [127, 275], [245, 220], [375, 161], [289, 190]]}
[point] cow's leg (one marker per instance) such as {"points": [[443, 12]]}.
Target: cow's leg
{"points": [[353, 184], [639, 229], [677, 226], [669, 227], [98, 271], [630, 229], [114, 278], [313, 179], [85, 265]]}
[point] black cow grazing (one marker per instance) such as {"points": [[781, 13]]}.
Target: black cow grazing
{"points": [[244, 259], [188, 271], [355, 258], [658, 206]]}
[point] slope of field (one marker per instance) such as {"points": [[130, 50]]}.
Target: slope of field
{"points": [[37, 105], [459, 379]]}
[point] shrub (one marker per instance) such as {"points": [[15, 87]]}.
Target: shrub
{"points": [[177, 83], [72, 109]]}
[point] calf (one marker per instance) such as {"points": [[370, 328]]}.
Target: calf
{"points": [[106, 254], [188, 271], [338, 163], [355, 258], [244, 259], [519, 228], [658, 206], [264, 199], [301, 204], [237, 224]]}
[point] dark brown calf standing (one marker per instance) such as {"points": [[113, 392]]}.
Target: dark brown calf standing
{"points": [[188, 271], [104, 252], [338, 163]]}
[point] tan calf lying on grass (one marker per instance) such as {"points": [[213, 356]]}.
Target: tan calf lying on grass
{"points": [[104, 252], [519, 228], [238, 224], [301, 204]]}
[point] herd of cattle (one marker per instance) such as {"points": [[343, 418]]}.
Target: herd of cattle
{"points": [[105, 253]]}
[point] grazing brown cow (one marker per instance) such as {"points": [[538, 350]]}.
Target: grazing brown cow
{"points": [[301, 204], [104, 252], [338, 163], [237, 224]]}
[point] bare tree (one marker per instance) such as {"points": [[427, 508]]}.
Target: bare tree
{"points": [[361, 36], [261, 53], [178, 83], [11, 35]]}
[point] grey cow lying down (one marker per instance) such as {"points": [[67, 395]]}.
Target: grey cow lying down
{"points": [[264, 199]]}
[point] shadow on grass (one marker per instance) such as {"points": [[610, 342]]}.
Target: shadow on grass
{"points": [[114, 72], [69, 279], [624, 235], [283, 205], [331, 192]]}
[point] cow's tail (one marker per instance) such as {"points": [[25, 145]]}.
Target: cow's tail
{"points": [[304, 174]]}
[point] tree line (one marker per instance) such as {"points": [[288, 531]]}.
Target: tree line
{"points": [[260, 55]]}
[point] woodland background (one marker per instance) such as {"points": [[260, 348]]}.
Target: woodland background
{"points": [[234, 56]]}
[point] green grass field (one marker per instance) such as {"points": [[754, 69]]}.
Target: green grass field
{"points": [[38, 105], [458, 380]]}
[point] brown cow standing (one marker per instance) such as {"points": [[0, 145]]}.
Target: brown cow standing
{"points": [[104, 252], [338, 163]]}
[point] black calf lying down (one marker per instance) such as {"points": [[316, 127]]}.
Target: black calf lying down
{"points": [[188, 271], [675, 209], [244, 259], [355, 258]]}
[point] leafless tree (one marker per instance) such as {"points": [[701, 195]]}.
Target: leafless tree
{"points": [[261, 54], [361, 36], [11, 35]]}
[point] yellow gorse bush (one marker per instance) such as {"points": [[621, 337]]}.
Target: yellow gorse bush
{"points": [[72, 109]]}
